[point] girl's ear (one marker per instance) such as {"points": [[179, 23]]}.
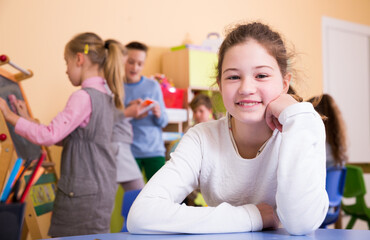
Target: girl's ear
{"points": [[80, 59], [286, 82], [219, 85]]}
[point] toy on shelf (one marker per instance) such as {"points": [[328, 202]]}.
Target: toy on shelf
{"points": [[211, 44], [173, 97]]}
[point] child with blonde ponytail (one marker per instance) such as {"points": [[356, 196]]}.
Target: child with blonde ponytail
{"points": [[87, 186]]}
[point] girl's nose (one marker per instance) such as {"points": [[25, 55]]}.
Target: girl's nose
{"points": [[247, 86]]}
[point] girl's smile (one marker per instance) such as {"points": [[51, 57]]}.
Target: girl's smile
{"points": [[248, 105]]}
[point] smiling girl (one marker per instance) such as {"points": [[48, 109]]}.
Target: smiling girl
{"points": [[262, 164]]}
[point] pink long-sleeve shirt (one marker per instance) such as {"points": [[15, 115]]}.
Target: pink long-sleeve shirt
{"points": [[75, 114]]}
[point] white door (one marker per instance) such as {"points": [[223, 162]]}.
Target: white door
{"points": [[346, 59], [346, 55]]}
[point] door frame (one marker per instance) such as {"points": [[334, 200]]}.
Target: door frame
{"points": [[333, 23]]}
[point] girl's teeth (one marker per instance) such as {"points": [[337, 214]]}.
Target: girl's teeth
{"points": [[247, 104]]}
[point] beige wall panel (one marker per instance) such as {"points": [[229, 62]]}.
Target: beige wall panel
{"points": [[34, 33]]}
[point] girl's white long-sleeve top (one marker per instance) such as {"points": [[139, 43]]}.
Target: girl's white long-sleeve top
{"points": [[289, 174]]}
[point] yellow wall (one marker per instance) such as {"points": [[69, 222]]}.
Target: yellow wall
{"points": [[33, 33]]}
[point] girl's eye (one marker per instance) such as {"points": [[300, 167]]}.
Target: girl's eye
{"points": [[235, 77], [261, 76]]}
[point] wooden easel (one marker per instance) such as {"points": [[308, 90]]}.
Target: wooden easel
{"points": [[7, 153], [37, 221]]}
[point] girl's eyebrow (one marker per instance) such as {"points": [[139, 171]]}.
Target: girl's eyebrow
{"points": [[263, 66], [257, 67], [229, 69]]}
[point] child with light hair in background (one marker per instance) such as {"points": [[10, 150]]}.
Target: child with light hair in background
{"points": [[87, 186]]}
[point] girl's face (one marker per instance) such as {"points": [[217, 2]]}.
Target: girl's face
{"points": [[250, 80], [73, 69]]}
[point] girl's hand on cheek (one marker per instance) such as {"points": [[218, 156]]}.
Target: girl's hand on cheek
{"points": [[275, 107]]}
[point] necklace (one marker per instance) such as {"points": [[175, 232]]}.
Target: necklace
{"points": [[233, 140]]}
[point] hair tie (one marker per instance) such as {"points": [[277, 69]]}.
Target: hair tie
{"points": [[106, 45], [86, 49]]}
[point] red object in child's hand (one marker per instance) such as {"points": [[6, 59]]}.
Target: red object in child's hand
{"points": [[147, 102], [146, 105]]}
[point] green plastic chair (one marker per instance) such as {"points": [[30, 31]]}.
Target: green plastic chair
{"points": [[355, 188]]}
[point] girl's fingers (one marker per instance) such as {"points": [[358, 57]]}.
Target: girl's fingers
{"points": [[274, 109], [277, 124], [269, 121]]}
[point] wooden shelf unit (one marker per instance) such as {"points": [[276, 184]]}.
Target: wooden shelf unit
{"points": [[191, 69]]}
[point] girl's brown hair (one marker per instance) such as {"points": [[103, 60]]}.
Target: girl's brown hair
{"points": [[264, 35], [334, 126], [108, 55], [199, 100]]}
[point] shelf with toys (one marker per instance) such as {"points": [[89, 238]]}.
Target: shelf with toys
{"points": [[175, 108], [193, 68]]}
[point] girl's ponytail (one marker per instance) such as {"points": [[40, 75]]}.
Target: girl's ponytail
{"points": [[114, 72]]}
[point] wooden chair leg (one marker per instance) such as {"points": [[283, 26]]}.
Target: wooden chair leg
{"points": [[338, 223]]}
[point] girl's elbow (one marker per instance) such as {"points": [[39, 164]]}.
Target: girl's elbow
{"points": [[42, 142], [135, 223], [48, 143], [47, 139], [295, 228], [305, 223]]}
